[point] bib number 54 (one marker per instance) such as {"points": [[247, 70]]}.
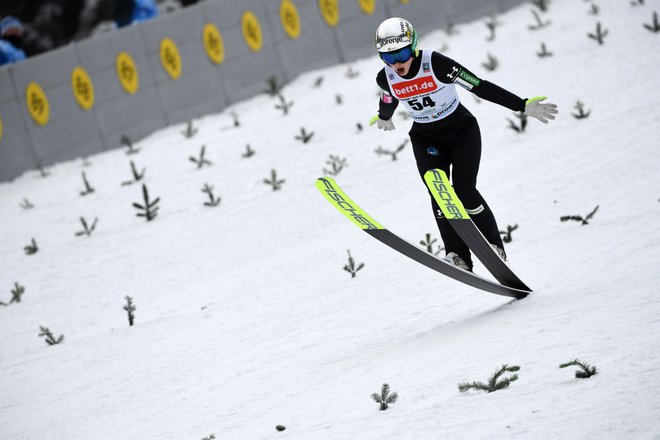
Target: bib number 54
{"points": [[426, 102]]}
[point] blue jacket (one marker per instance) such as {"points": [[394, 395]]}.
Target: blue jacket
{"points": [[10, 54], [144, 10]]}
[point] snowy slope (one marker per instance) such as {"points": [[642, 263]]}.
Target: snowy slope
{"points": [[245, 318]]}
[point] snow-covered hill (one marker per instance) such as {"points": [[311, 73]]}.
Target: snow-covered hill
{"points": [[245, 319]]}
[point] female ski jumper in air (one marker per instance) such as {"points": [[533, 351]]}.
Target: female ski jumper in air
{"points": [[444, 133]]}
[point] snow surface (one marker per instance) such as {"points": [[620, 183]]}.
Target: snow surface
{"points": [[245, 319]]}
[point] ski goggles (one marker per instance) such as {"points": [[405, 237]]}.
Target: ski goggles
{"points": [[400, 56]]}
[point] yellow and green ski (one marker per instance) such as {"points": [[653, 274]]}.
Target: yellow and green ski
{"points": [[452, 208], [338, 198]]}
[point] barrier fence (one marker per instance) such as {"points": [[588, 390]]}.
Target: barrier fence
{"points": [[81, 99]]}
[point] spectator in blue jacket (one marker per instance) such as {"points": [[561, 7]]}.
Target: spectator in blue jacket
{"points": [[11, 31], [134, 11]]}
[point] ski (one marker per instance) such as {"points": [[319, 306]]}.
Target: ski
{"points": [[452, 208], [338, 198]]}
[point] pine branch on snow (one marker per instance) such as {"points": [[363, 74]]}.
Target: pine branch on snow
{"points": [[283, 105], [655, 25], [522, 118], [190, 131], [385, 398], [380, 151], [586, 370], [87, 230], [304, 137], [88, 188], [274, 181], [492, 26], [336, 165], [32, 248], [428, 242], [491, 64], [350, 267], [544, 53], [50, 339], [599, 35], [579, 218], [506, 235], [137, 176], [213, 201], [540, 24], [130, 308], [493, 384], [581, 114], [25, 204], [201, 161], [128, 143], [149, 208], [249, 152]]}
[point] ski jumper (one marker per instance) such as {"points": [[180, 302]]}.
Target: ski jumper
{"points": [[445, 134]]}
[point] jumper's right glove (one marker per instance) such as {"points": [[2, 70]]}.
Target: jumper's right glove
{"points": [[383, 125], [536, 109]]}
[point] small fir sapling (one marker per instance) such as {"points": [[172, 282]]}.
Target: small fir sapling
{"points": [[359, 127], [380, 151], [190, 130], [506, 235], [87, 230], [352, 73], [385, 398], [16, 293], [491, 64], [210, 437], [540, 24], [137, 176], [494, 383], [274, 86], [25, 204], [338, 99], [579, 218], [336, 165], [88, 189], [32, 248], [492, 26], [522, 118], [544, 53], [274, 182], [50, 339], [283, 105], [350, 267], [655, 25], [428, 242], [234, 117], [130, 308], [249, 152], [125, 141], [304, 137], [201, 160], [213, 201], [594, 9], [585, 371], [318, 82], [149, 208], [42, 171], [581, 114], [599, 35]]}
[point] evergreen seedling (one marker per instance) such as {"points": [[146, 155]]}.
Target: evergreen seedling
{"points": [[492, 26], [350, 267], [304, 137], [249, 152], [130, 308], [190, 131], [128, 143], [491, 64], [87, 230], [428, 242], [210, 437], [234, 116], [506, 235], [594, 10], [585, 371], [380, 151], [25, 204], [359, 127], [540, 24], [352, 73], [274, 86], [50, 339], [450, 29], [581, 114], [274, 181], [32, 248], [655, 25], [544, 53], [579, 218], [494, 383], [201, 161], [88, 189], [336, 165], [213, 201], [283, 105], [137, 176], [16, 293], [338, 99], [599, 35], [149, 208], [385, 399], [42, 171], [518, 128], [318, 82]]}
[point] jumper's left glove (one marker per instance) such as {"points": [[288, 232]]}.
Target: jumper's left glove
{"points": [[385, 125], [536, 109]]}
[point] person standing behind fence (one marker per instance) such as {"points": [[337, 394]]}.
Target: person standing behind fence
{"points": [[128, 12], [11, 33]]}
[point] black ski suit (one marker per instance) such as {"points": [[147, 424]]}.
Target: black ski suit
{"points": [[453, 141]]}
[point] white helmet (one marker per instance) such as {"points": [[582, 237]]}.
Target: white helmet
{"points": [[394, 34]]}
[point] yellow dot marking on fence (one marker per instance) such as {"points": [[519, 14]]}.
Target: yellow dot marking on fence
{"points": [[252, 31], [367, 6], [290, 19], [82, 87], [170, 58], [330, 12], [127, 73], [213, 43], [37, 103]]}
